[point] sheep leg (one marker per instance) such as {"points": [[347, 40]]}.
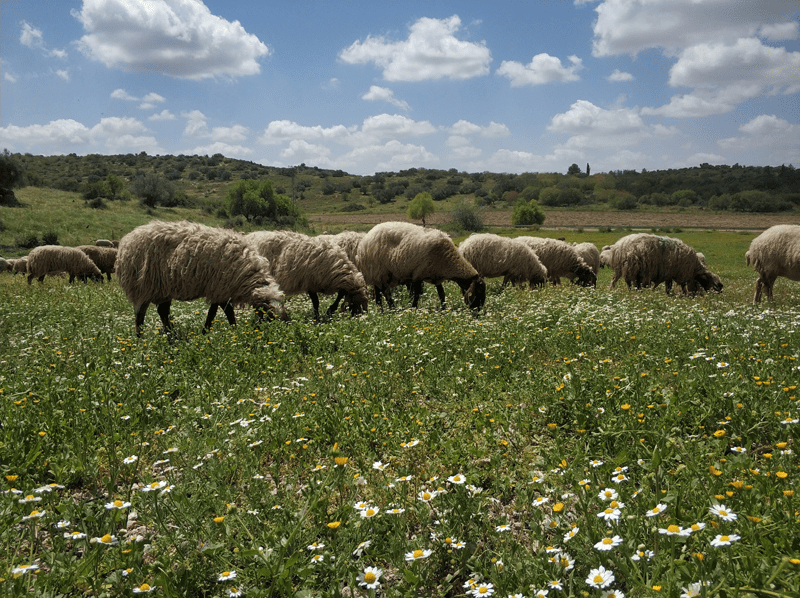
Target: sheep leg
{"points": [[769, 282], [212, 313], [335, 305], [440, 291], [416, 292], [163, 313], [109, 276], [138, 314], [230, 314], [30, 277], [315, 303]]}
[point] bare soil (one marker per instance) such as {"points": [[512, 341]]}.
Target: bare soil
{"points": [[589, 220]]}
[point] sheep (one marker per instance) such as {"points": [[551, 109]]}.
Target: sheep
{"points": [[606, 255], [5, 265], [644, 259], [17, 265], [103, 257], [312, 265], [395, 253], [347, 240], [493, 255], [561, 259], [164, 261], [590, 255], [773, 253], [49, 259], [103, 243]]}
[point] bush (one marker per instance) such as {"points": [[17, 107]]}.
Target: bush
{"points": [[11, 175], [420, 207], [467, 217], [549, 196], [257, 202], [154, 190], [624, 201], [353, 207], [50, 238], [28, 241], [720, 202], [527, 213]]}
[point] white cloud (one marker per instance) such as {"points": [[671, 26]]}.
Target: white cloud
{"points": [[121, 94], [233, 134], [64, 74], [132, 144], [196, 125], [60, 133], [279, 131], [619, 76], [431, 51], [180, 38], [542, 69], [780, 31], [32, 37], [392, 156], [492, 130], [395, 125], [114, 126], [218, 147], [630, 26], [383, 94], [161, 116], [779, 137], [9, 76], [148, 102], [302, 152], [725, 75]]}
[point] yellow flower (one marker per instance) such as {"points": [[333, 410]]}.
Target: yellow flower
{"points": [[781, 474], [12, 478], [334, 524], [794, 561], [699, 555], [754, 519], [558, 507], [656, 588], [788, 492], [219, 519], [552, 426], [719, 433], [625, 407], [340, 460]]}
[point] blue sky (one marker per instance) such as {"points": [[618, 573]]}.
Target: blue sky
{"points": [[504, 86]]}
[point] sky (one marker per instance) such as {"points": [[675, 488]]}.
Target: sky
{"points": [[372, 86]]}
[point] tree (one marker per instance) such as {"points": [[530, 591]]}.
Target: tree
{"points": [[11, 175], [421, 206], [527, 213], [256, 201], [467, 217], [153, 189], [574, 169]]}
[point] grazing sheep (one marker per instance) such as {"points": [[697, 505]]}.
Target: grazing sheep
{"points": [[49, 259], [773, 253], [347, 240], [590, 255], [104, 243], [164, 261], [302, 264], [103, 257], [18, 265], [644, 259], [606, 255], [5, 265], [561, 259], [493, 255], [395, 253]]}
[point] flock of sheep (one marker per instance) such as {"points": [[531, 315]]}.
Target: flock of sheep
{"points": [[164, 261]]}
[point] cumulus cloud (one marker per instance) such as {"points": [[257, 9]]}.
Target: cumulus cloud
{"points": [[780, 31], [392, 156], [300, 151], [542, 69], [218, 147], [384, 94], [280, 131], [32, 37], [180, 38], [197, 126], [630, 26], [620, 77], [162, 116], [492, 130], [725, 75], [63, 74], [121, 94], [780, 137], [60, 133], [148, 102], [431, 51], [395, 125]]}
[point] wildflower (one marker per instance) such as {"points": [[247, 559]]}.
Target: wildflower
{"points": [[396, 511], [607, 544], [658, 509], [563, 560], [474, 489], [317, 559], [369, 577], [643, 554], [315, 546], [35, 515], [130, 460], [612, 594], [154, 486], [234, 592], [456, 479], [107, 539], [600, 578], [609, 514], [505, 527], [361, 505], [595, 462], [369, 512], [409, 444], [118, 505], [23, 569], [404, 478], [418, 554], [693, 590], [334, 524], [226, 575], [608, 494], [619, 478], [74, 535], [722, 512], [571, 534], [379, 466], [721, 540], [30, 498], [362, 547], [143, 589], [539, 501], [482, 589], [63, 524], [555, 585], [697, 527], [427, 495], [459, 545], [674, 530]]}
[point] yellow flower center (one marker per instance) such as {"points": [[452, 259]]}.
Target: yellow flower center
{"points": [[225, 574], [598, 579], [144, 587], [370, 512], [724, 513], [369, 577], [483, 590], [417, 553], [725, 538], [106, 539], [117, 503], [673, 529]]}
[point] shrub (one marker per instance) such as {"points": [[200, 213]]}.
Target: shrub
{"points": [[527, 213], [353, 207], [50, 238], [257, 202], [154, 190], [420, 207], [467, 217], [11, 175], [720, 202], [549, 196], [624, 201], [27, 241]]}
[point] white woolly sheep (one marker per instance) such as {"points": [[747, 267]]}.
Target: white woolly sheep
{"points": [[644, 259], [347, 240], [590, 255], [103, 243], [49, 259], [5, 265], [312, 265], [395, 253], [103, 257], [164, 261], [606, 255], [493, 256], [18, 265], [773, 253], [561, 259]]}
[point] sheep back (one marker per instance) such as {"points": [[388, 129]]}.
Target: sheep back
{"points": [[49, 259], [20, 265], [590, 255], [774, 253], [104, 258], [492, 256], [347, 240], [561, 259], [269, 243], [103, 243]]}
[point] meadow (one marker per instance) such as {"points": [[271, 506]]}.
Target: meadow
{"points": [[564, 442]]}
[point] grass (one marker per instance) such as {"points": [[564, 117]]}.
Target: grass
{"points": [[286, 460]]}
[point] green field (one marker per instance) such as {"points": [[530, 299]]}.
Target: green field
{"points": [[257, 444]]}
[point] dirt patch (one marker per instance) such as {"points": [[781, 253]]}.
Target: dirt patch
{"points": [[592, 220]]}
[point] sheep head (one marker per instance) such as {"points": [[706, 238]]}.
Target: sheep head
{"points": [[358, 301], [474, 292], [586, 278]]}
